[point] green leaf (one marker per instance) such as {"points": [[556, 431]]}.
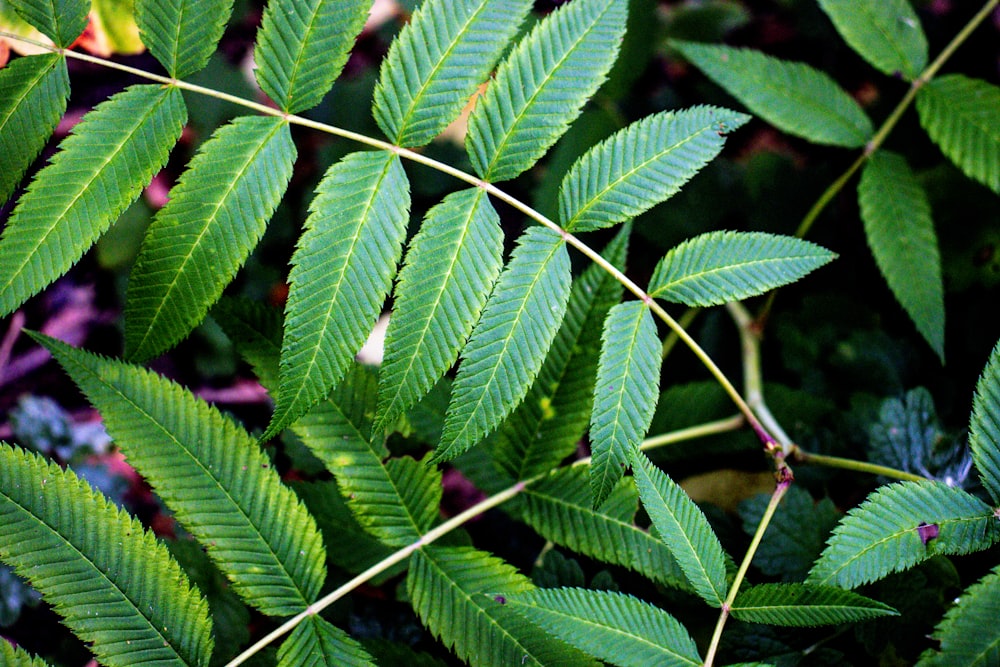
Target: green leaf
{"points": [[642, 165], [112, 154], [341, 273], [901, 525], [436, 63], [115, 586], [719, 267], [968, 633], [542, 86], [450, 267], [792, 96], [900, 231], [508, 344], [984, 426], [448, 588], [33, 93], [805, 605], [198, 241], [683, 528], [17, 657], [214, 477], [182, 34], [962, 116], [317, 643], [303, 45], [62, 21], [886, 33], [619, 629]]}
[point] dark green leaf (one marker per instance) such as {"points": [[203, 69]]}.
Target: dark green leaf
{"points": [[805, 605], [886, 33], [984, 427], [182, 34], [969, 634], [62, 21], [317, 643]]}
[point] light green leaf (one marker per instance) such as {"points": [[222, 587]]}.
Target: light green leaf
{"points": [[112, 154], [115, 586], [642, 165], [968, 633], [900, 232], [886, 33], [62, 21], [984, 426], [619, 629], [719, 267], [18, 657], [436, 63], [451, 266], [214, 477], [198, 241], [341, 273], [542, 86], [508, 344], [792, 96], [182, 34], [303, 45], [683, 528], [805, 605], [317, 643], [962, 116], [33, 93]]}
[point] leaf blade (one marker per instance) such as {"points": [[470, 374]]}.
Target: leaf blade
{"points": [[805, 605], [984, 426], [886, 33], [317, 643], [62, 21], [967, 634], [182, 34]]}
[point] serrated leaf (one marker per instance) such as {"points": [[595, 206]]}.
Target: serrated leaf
{"points": [[62, 21], [342, 271], [984, 426], [18, 657], [436, 63], [886, 33], [900, 525], [182, 34], [792, 96], [303, 45], [198, 241], [962, 116], [115, 586], [33, 93], [214, 477], [968, 633], [317, 643], [112, 154], [450, 268], [805, 605], [508, 344], [542, 86], [719, 267], [900, 232], [619, 629], [642, 165]]}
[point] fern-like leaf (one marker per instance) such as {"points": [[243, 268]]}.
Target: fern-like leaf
{"points": [[901, 525], [508, 344], [984, 426], [111, 581], [62, 21], [302, 47], [792, 96], [435, 64], [212, 474], [112, 154], [182, 34], [619, 629], [18, 657], [886, 33], [317, 643], [341, 273], [900, 231], [805, 605], [641, 166], [33, 93], [968, 633], [198, 241], [450, 267], [719, 267], [542, 85], [962, 116]]}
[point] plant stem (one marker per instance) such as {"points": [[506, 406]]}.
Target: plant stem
{"points": [[802, 456], [690, 433]]}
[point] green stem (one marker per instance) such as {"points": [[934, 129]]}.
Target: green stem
{"points": [[711, 428], [802, 456]]}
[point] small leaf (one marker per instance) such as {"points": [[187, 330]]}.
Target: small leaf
{"points": [[182, 34], [886, 33], [968, 633], [984, 426], [62, 21], [18, 657], [805, 605], [317, 643], [719, 267], [792, 96]]}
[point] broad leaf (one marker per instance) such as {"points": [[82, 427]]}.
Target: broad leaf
{"points": [[542, 86], [182, 34], [968, 633], [214, 477], [962, 116], [62, 21], [115, 586], [342, 271], [900, 232], [317, 643], [436, 63], [509, 342], [112, 154], [984, 426], [200, 239], [619, 629], [302, 47], [792, 96], [805, 605], [886, 33], [642, 165]]}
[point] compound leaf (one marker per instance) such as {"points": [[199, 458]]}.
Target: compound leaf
{"points": [[182, 34], [317, 643], [886, 33], [984, 426], [62, 21], [968, 633], [805, 605]]}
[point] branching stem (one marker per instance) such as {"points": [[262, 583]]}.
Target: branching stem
{"points": [[801, 456]]}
